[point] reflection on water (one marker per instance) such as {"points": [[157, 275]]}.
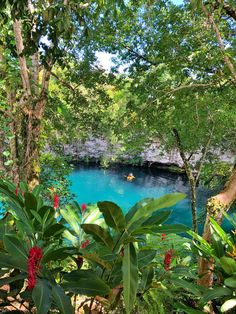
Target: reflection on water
{"points": [[91, 184]]}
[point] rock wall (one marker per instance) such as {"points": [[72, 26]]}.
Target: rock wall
{"points": [[98, 149]]}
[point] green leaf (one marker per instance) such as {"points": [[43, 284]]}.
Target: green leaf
{"points": [[215, 293], [230, 282], [7, 280], [228, 264], [220, 232], [30, 201], [113, 215], [157, 218], [130, 276], [16, 249], [136, 207], [175, 228], [61, 300], [54, 230], [85, 282], [145, 257], [187, 286], [41, 296], [162, 202], [71, 216], [99, 234], [147, 277], [228, 305], [59, 254], [7, 261]]}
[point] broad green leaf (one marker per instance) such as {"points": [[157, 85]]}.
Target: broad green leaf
{"points": [[230, 282], [187, 309], [30, 201], [8, 261], [42, 295], [113, 215], [59, 254], [221, 232], [217, 245], [147, 277], [61, 300], [37, 217], [145, 257], [157, 218], [162, 202], [215, 293], [72, 217], [16, 249], [99, 234], [85, 282], [184, 271], [175, 228], [7, 280], [228, 305], [136, 207], [130, 276], [95, 258], [189, 286], [228, 264], [54, 230]]}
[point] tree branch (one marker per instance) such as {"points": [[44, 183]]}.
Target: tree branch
{"points": [[139, 56], [226, 59], [204, 153], [22, 60]]}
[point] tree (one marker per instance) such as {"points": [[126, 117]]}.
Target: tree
{"points": [[36, 36], [177, 79]]}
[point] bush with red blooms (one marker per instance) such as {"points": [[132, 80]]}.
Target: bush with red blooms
{"points": [[56, 201], [33, 263], [167, 259], [84, 244], [83, 207]]}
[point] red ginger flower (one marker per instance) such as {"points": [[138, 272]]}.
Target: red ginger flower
{"points": [[56, 201], [34, 259], [17, 191], [84, 244], [167, 259], [83, 207], [163, 236]]}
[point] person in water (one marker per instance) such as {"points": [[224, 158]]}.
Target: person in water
{"points": [[130, 177]]}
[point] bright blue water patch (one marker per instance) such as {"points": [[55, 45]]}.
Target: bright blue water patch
{"points": [[91, 184]]}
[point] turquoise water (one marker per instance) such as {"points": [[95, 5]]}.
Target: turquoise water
{"points": [[91, 184]]}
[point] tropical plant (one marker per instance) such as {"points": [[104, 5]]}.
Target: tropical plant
{"points": [[119, 254], [221, 251]]}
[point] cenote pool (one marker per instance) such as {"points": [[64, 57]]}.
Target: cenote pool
{"points": [[91, 184]]}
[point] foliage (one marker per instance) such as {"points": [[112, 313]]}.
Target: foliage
{"points": [[222, 251]]}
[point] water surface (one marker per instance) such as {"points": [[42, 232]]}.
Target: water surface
{"points": [[91, 184]]}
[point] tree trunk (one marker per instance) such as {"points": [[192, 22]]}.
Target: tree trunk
{"points": [[191, 179], [215, 207]]}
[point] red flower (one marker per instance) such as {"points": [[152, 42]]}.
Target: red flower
{"points": [[167, 259], [17, 191], [56, 201], [83, 206], [84, 244], [34, 259], [163, 236]]}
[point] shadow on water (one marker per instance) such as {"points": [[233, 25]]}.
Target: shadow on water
{"points": [[91, 184]]}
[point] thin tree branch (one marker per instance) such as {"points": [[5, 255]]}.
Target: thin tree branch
{"points": [[139, 56], [204, 153]]}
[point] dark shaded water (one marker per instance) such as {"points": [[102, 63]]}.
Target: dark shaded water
{"points": [[91, 184]]}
